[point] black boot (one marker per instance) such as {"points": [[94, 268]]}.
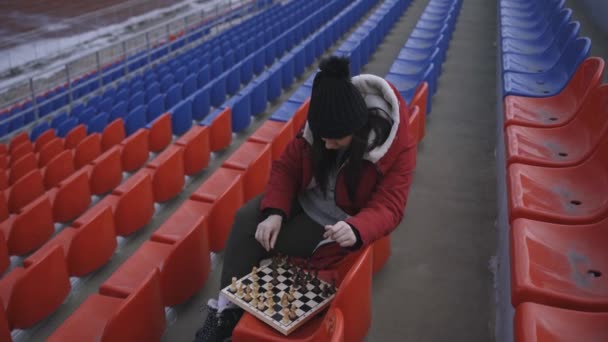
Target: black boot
{"points": [[218, 326]]}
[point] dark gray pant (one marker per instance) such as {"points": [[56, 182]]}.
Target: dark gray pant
{"points": [[299, 235]]}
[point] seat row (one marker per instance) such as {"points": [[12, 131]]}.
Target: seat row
{"points": [[554, 136], [55, 99]]}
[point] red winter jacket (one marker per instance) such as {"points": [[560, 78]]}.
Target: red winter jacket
{"points": [[386, 175]]}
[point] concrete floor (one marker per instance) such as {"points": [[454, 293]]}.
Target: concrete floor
{"points": [[437, 285]]}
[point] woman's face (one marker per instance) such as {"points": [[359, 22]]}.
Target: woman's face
{"points": [[337, 144]]}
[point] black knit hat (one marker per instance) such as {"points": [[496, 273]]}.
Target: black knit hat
{"points": [[337, 108]]}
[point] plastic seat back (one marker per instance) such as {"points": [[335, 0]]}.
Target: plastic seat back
{"points": [[160, 133], [22, 167], [135, 150], [93, 244], [135, 206], [106, 173], [43, 138], [58, 169], [113, 134], [50, 151], [141, 317], [40, 290], [75, 136], [32, 227], [87, 150], [25, 190], [181, 117], [72, 197]]}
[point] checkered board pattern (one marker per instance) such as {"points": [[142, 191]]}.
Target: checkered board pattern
{"points": [[308, 301]]}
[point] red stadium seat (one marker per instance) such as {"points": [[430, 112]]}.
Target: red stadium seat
{"points": [[44, 138], [75, 136], [24, 191], [299, 117], [3, 208], [3, 179], [29, 229], [566, 145], [356, 283], [58, 169], [254, 159], [33, 293], [221, 131], [132, 204], [167, 172], [21, 150], [4, 263], [113, 134], [224, 189], [276, 133], [160, 133], [415, 120], [87, 150], [560, 265], [18, 140], [558, 110], [22, 167], [105, 172], [5, 331], [50, 151], [189, 214], [539, 323], [571, 195], [140, 317], [87, 246], [4, 161], [71, 197], [196, 149], [420, 99], [135, 150], [184, 268]]}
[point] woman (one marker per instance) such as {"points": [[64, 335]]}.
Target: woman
{"points": [[341, 184]]}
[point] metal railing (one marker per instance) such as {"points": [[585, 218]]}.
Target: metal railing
{"points": [[136, 48]]}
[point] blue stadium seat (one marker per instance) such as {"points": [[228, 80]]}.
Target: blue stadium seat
{"points": [[122, 95], [259, 59], [233, 79], [189, 86], [135, 120], [551, 82], [246, 70], [181, 117], [218, 91], [166, 82], [201, 103], [274, 82], [156, 107], [39, 129], [216, 67], [241, 111], [66, 126], [194, 66], [180, 74], [119, 110], [58, 119], [228, 60], [286, 111], [98, 123], [152, 90], [173, 96], [287, 70], [203, 77], [136, 100], [106, 105]]}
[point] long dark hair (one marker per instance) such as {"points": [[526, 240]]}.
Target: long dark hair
{"points": [[324, 160]]}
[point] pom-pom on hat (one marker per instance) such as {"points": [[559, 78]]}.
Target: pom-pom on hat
{"points": [[337, 109]]}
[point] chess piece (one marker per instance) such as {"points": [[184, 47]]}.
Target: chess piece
{"points": [[332, 288], [247, 297], [285, 316], [325, 291], [255, 301], [256, 286], [315, 279], [233, 285], [255, 291], [292, 312], [270, 302], [291, 295], [261, 305], [274, 281], [254, 274], [284, 301], [240, 292]]}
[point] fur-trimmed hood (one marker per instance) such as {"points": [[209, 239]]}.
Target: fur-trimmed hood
{"points": [[377, 93]]}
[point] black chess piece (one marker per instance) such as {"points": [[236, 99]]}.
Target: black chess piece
{"points": [[315, 279], [332, 287], [325, 291]]}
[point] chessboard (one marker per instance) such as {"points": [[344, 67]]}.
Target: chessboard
{"points": [[281, 294]]}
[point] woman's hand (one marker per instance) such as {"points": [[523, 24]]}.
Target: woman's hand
{"points": [[268, 230], [342, 233]]}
